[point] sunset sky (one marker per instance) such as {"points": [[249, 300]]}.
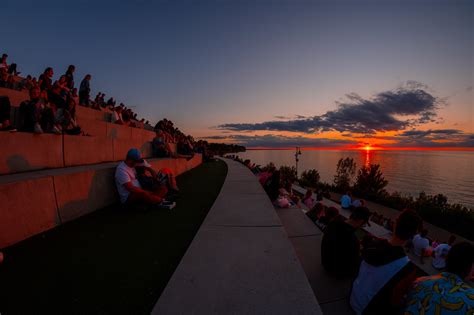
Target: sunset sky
{"points": [[267, 73]]}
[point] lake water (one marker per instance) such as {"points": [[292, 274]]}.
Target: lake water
{"points": [[447, 172]]}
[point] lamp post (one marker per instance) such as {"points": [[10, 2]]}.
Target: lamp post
{"points": [[297, 154]]}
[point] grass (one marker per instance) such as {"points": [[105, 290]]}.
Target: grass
{"points": [[111, 261]]}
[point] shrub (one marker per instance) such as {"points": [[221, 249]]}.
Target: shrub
{"points": [[309, 178], [370, 182], [345, 172], [288, 174]]}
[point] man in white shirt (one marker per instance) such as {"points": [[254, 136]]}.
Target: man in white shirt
{"points": [[441, 252], [346, 200], [421, 245], [128, 185]]}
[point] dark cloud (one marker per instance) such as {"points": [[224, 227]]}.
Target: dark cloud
{"points": [[424, 133], [435, 138], [398, 109], [280, 141]]}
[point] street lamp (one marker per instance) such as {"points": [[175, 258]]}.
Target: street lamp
{"points": [[297, 154]]}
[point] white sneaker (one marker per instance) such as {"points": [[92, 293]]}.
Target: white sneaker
{"points": [[56, 130], [38, 128]]}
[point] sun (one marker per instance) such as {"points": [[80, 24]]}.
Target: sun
{"points": [[367, 147]]}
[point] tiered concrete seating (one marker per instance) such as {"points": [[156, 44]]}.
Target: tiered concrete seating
{"points": [[107, 142], [46, 180], [34, 202]]}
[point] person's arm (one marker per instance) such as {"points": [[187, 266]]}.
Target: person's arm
{"points": [[422, 255], [129, 186], [152, 172]]}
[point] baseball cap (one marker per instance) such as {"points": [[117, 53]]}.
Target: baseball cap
{"points": [[134, 154], [143, 163]]}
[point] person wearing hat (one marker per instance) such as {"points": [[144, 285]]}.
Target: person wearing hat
{"points": [[340, 247], [128, 186]]}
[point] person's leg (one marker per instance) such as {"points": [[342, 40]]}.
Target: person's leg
{"points": [[144, 197], [171, 178], [160, 191]]}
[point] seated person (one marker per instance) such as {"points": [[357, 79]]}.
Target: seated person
{"points": [[308, 199], [150, 179], [36, 115], [129, 187], [316, 212], [66, 118], [445, 293], [386, 273], [117, 116], [340, 247], [358, 203], [5, 108], [330, 213], [161, 148], [346, 200], [441, 252], [421, 245]]}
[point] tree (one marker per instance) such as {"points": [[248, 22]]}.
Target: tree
{"points": [[310, 178], [288, 173], [370, 182], [346, 169], [269, 166]]}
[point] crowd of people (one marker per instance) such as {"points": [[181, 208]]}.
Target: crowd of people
{"points": [[384, 279], [51, 107]]}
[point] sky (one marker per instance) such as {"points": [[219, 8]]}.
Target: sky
{"points": [[267, 73]]}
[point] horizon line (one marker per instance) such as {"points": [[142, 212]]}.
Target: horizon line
{"points": [[463, 149]]}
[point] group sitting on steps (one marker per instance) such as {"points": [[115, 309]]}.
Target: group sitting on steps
{"points": [[51, 108], [384, 279]]}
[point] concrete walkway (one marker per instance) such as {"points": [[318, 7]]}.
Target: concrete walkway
{"points": [[241, 260]]}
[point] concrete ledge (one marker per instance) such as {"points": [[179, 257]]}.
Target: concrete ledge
{"points": [[240, 261], [115, 131], [16, 97], [91, 114], [38, 201], [27, 208], [94, 128], [23, 152], [87, 150]]}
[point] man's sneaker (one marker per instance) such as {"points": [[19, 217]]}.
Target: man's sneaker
{"points": [[38, 128], [167, 205]]}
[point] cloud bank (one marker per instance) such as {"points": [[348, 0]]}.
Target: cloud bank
{"points": [[393, 110]]}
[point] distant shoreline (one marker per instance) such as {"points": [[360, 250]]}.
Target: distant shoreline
{"points": [[463, 149]]}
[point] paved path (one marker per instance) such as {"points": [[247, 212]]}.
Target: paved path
{"points": [[241, 260]]}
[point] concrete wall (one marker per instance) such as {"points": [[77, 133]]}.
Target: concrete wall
{"points": [[27, 208], [87, 113], [16, 97], [87, 150], [36, 202], [23, 152]]}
